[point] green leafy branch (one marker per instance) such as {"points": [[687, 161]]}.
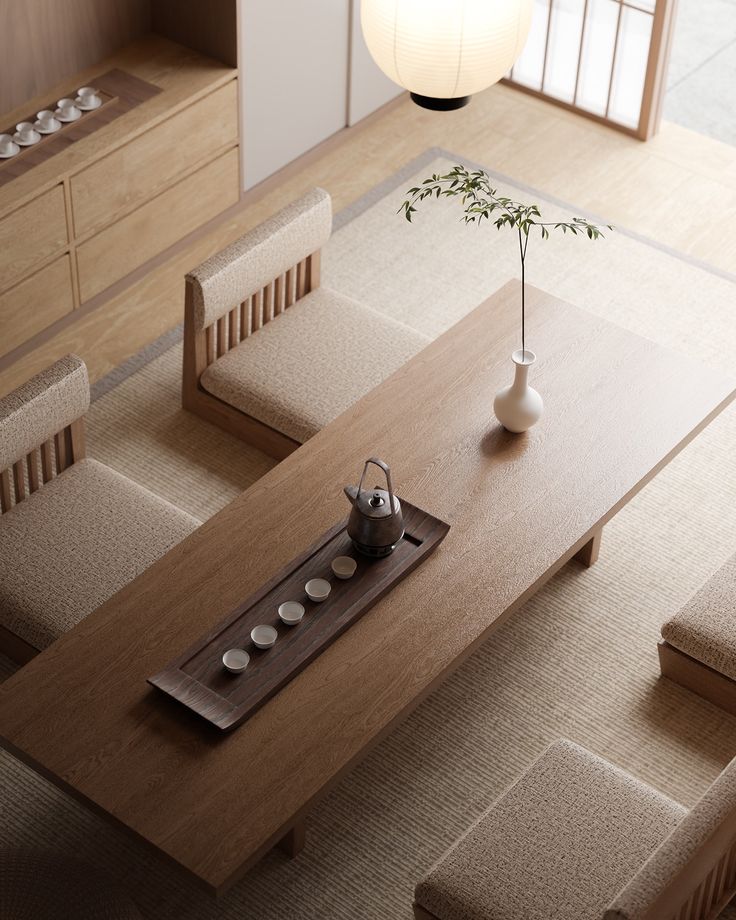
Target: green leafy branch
{"points": [[480, 201]]}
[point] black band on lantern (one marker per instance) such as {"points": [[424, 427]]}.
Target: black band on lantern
{"points": [[440, 105]]}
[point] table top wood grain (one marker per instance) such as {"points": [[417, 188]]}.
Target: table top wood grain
{"points": [[617, 409]]}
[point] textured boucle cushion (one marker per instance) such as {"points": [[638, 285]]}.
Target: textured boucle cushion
{"points": [[311, 363], [229, 277], [691, 834], [74, 543], [705, 628], [560, 843], [41, 407]]}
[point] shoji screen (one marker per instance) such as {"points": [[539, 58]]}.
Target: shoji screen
{"points": [[604, 58]]}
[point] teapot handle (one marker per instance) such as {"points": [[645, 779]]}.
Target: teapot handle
{"points": [[387, 471]]}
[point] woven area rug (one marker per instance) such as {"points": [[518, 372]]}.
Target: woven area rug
{"points": [[578, 661]]}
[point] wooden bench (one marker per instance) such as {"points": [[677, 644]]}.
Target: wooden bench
{"points": [[270, 354], [698, 649], [72, 530]]}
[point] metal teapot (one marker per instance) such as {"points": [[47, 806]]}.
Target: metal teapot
{"points": [[376, 523]]}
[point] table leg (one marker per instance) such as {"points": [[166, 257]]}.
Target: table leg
{"points": [[588, 554], [293, 842]]}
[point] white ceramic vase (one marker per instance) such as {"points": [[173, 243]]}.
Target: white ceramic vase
{"points": [[519, 406]]}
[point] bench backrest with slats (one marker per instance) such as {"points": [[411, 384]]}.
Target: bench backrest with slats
{"points": [[237, 291], [42, 429]]}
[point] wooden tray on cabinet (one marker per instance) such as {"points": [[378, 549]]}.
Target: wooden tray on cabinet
{"points": [[197, 678]]}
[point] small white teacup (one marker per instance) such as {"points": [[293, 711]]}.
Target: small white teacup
{"points": [[67, 110], [87, 97], [47, 122], [7, 145]]}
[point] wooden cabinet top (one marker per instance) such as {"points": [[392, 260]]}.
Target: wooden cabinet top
{"points": [[183, 76]]}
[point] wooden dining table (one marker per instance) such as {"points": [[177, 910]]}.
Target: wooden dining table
{"points": [[618, 408]]}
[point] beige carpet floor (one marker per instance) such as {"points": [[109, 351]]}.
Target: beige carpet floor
{"points": [[578, 661]]}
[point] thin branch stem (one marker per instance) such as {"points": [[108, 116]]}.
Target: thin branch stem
{"points": [[522, 253]]}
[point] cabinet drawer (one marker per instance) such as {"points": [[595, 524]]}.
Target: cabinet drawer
{"points": [[145, 166], [127, 244], [35, 303], [31, 235]]}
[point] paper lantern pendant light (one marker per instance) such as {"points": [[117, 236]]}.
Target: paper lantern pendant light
{"points": [[443, 51]]}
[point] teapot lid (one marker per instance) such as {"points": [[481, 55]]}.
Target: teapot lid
{"points": [[376, 503]]}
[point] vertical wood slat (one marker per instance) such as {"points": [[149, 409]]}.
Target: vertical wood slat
{"points": [[721, 880], [698, 901], [19, 481], [77, 441], [278, 295], [5, 491], [731, 870], [61, 451], [232, 328], [289, 288], [268, 313], [257, 310], [685, 910], [47, 465], [33, 477], [315, 263], [210, 344], [221, 336], [301, 271], [244, 320], [708, 885]]}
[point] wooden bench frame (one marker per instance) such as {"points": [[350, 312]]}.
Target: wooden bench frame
{"points": [[203, 347], [698, 677]]}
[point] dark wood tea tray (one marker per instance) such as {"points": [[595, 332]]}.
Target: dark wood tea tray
{"points": [[119, 91], [198, 679]]}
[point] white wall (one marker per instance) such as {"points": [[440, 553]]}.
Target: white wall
{"points": [[294, 79]]}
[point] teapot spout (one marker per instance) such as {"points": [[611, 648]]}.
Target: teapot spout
{"points": [[352, 493]]}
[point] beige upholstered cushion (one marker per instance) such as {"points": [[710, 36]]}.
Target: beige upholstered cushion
{"points": [[559, 844], [41, 407], [311, 363], [74, 543], [717, 805], [705, 628], [250, 263]]}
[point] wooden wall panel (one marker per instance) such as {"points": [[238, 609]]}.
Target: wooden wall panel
{"points": [[45, 41]]}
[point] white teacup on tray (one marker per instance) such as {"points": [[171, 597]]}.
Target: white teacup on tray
{"points": [[235, 660], [46, 122], [67, 110], [291, 612], [87, 99], [8, 147], [263, 636], [26, 134], [318, 589]]}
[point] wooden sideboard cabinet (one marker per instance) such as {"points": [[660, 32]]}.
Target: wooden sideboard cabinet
{"points": [[96, 212]]}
